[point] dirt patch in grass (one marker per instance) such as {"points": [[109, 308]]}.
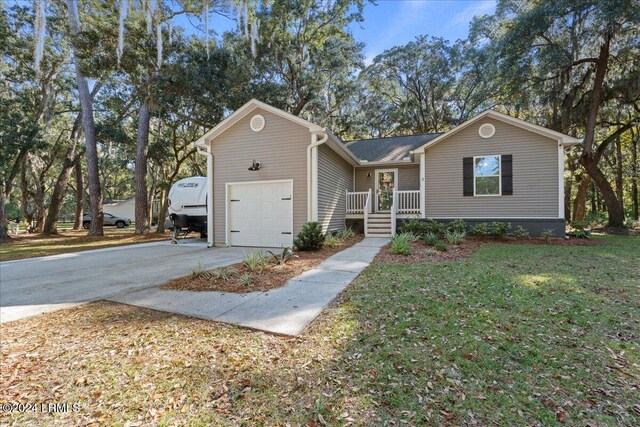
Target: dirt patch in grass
{"points": [[422, 253], [270, 277]]}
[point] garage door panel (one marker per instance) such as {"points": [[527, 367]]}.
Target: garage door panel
{"points": [[262, 214]]}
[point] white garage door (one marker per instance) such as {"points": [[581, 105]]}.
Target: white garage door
{"points": [[260, 214]]}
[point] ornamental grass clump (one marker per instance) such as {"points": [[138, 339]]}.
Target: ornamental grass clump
{"points": [[400, 244], [455, 237], [430, 239], [333, 241]]}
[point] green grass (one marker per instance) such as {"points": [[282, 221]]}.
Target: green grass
{"points": [[515, 335]]}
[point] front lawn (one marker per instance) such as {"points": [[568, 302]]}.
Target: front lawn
{"points": [[35, 245], [513, 335]]}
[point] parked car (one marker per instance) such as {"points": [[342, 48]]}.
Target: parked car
{"points": [[108, 219]]}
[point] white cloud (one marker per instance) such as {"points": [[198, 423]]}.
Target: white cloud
{"points": [[478, 8]]}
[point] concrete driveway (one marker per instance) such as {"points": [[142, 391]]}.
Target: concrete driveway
{"points": [[38, 285]]}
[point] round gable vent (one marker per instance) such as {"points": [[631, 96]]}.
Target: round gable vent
{"points": [[257, 123], [486, 130]]}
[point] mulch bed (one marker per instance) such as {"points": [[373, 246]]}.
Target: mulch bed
{"points": [[422, 253], [272, 276]]}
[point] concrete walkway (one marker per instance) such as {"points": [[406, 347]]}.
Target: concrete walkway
{"points": [[286, 310], [34, 286]]}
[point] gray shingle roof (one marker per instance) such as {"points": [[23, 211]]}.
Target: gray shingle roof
{"points": [[388, 149]]}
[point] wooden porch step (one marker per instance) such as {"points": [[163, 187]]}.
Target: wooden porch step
{"points": [[387, 234], [382, 221]]}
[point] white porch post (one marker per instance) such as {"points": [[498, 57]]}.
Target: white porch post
{"points": [[210, 239], [423, 186], [560, 181]]}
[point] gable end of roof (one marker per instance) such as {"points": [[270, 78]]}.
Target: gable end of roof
{"points": [[560, 137], [243, 111]]}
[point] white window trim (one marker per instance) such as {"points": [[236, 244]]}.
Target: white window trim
{"points": [[499, 175]]}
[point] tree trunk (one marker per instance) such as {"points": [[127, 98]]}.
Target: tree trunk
{"points": [[580, 201], [619, 184], [616, 214], [57, 197], [142, 207], [162, 212], [634, 176], [41, 207], [25, 193], [88, 125], [77, 223], [3, 218], [567, 198], [152, 194], [587, 159]]}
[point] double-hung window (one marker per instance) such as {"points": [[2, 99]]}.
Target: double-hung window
{"points": [[486, 176]]}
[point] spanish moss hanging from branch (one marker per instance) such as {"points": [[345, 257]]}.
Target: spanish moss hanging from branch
{"points": [[159, 43], [41, 33], [122, 17], [149, 10], [206, 26], [248, 24]]}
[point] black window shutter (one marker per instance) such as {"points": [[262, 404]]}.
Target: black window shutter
{"points": [[507, 175], [467, 176]]}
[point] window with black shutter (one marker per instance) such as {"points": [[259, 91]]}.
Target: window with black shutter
{"points": [[507, 175], [467, 171], [488, 175]]}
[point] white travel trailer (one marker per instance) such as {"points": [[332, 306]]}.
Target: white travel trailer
{"points": [[188, 206]]}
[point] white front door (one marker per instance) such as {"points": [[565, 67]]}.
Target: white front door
{"points": [[260, 214], [385, 183]]}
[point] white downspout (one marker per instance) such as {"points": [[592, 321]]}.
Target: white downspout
{"points": [[312, 174], [209, 197], [423, 185]]}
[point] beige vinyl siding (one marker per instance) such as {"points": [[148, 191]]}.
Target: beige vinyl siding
{"points": [[281, 148], [535, 174], [335, 177], [408, 177]]}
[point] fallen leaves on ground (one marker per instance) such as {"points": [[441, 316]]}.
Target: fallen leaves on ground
{"points": [[466, 342]]}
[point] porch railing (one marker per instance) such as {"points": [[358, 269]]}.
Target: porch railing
{"points": [[367, 210], [407, 202], [394, 206], [356, 201]]}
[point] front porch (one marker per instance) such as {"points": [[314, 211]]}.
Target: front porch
{"points": [[379, 209]]}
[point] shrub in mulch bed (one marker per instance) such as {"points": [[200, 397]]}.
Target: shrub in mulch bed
{"points": [[243, 280]]}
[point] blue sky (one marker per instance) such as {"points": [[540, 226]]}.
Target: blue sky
{"points": [[396, 22]]}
